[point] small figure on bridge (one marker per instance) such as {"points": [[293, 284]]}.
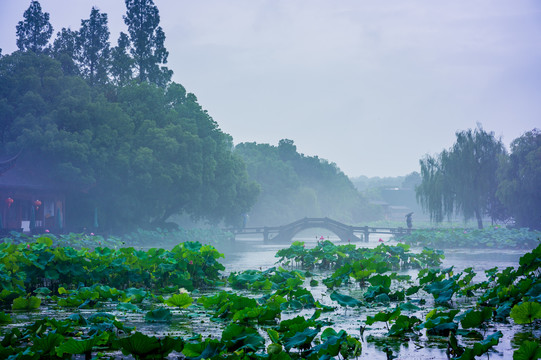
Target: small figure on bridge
{"points": [[408, 220], [245, 218]]}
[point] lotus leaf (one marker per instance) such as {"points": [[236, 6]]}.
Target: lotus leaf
{"points": [[526, 312], [345, 300], [182, 300], [149, 347], [208, 349], [474, 318], [331, 345], [5, 318], [158, 315], [384, 316], [45, 346], [301, 340], [30, 303], [72, 346], [237, 337], [529, 350], [128, 307], [402, 325], [481, 347]]}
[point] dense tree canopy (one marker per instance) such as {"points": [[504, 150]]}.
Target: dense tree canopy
{"points": [[462, 180], [520, 180], [294, 186], [139, 156]]}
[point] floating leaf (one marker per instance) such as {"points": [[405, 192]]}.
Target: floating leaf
{"points": [[159, 315], [529, 350], [474, 318], [72, 346], [30, 303], [5, 318], [345, 300], [182, 300], [526, 312]]}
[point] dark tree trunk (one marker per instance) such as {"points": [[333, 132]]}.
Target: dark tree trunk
{"points": [[479, 219]]}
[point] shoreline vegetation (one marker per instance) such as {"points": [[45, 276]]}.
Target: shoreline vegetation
{"points": [[101, 303]]}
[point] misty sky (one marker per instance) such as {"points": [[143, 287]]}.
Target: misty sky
{"points": [[370, 85]]}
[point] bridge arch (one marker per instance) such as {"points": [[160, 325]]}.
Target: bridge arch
{"points": [[287, 232]]}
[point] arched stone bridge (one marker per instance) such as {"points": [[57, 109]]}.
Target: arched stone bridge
{"points": [[285, 233]]}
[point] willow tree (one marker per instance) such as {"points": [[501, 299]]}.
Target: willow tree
{"points": [[520, 179], [462, 180]]}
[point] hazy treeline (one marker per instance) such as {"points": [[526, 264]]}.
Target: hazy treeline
{"points": [[294, 186], [477, 177], [108, 125]]}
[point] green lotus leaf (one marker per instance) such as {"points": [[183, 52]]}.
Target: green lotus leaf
{"points": [[274, 349], [30, 303], [43, 291], [182, 300], [382, 298], [5, 318], [45, 240], [383, 316], [381, 280], [474, 318], [208, 349], [331, 346], [158, 315], [128, 307], [529, 350], [100, 317], [526, 312], [72, 346], [45, 345], [274, 336], [402, 325], [138, 345], [345, 300], [481, 347], [408, 306], [301, 340]]}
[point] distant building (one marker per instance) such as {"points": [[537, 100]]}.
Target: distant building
{"points": [[29, 201]]}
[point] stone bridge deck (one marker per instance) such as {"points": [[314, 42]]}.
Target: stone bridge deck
{"points": [[285, 233]]}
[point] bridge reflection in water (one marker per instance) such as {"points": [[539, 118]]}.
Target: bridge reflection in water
{"points": [[285, 233]]}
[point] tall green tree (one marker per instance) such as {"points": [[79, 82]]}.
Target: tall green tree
{"points": [[93, 41], [121, 61], [65, 48], [147, 42], [34, 32], [463, 179], [520, 180]]}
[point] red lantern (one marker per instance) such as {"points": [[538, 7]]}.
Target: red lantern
{"points": [[37, 203], [9, 201]]}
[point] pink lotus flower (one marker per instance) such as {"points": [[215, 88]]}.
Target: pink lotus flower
{"points": [[191, 262], [380, 240], [91, 234], [46, 230], [321, 238], [28, 246]]}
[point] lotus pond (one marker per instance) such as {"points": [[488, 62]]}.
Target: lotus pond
{"points": [[310, 300]]}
